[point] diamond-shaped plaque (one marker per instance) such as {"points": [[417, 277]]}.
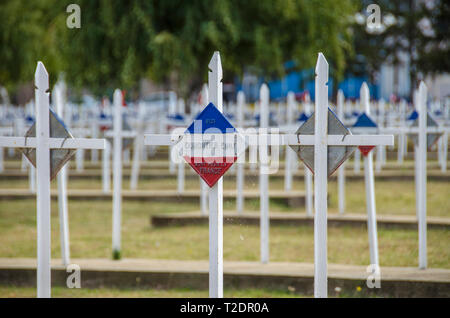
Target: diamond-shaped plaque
{"points": [[58, 157], [364, 121], [211, 165], [432, 138], [336, 154]]}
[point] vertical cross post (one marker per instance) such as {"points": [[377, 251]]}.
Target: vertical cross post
{"points": [[137, 148], [117, 174], [370, 188], [422, 170], [62, 190], [380, 149], [43, 182], [357, 161], [241, 160], [401, 136], [216, 192], [320, 178], [290, 154], [263, 174], [106, 171]]}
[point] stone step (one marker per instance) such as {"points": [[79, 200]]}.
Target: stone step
{"points": [[193, 274]]}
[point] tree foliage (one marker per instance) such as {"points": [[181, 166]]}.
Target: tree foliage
{"points": [[421, 32], [169, 41]]}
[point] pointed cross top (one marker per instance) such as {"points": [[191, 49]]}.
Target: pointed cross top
{"points": [[241, 97], [117, 99], [264, 92], [322, 68], [364, 97], [41, 77], [215, 65]]}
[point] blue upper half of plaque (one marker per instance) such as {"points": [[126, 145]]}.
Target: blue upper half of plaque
{"points": [[210, 120], [414, 115], [364, 121]]}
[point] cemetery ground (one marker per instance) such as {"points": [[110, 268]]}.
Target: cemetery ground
{"points": [[90, 225]]}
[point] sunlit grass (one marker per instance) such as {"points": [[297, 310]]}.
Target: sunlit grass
{"points": [[90, 237]]}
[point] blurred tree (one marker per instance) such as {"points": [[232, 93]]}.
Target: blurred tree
{"points": [[170, 41], [434, 52], [413, 29]]}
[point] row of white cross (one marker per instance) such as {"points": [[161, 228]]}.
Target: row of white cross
{"points": [[320, 141]]}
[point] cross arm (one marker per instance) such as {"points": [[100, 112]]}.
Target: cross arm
{"points": [[415, 130], [281, 140], [123, 134], [54, 143]]}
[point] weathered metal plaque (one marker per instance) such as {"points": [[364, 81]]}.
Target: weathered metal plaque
{"points": [[364, 121], [215, 157], [336, 154], [58, 157], [432, 138]]}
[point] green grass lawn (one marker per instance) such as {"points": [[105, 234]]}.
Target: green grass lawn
{"points": [[90, 235], [13, 291], [392, 197]]}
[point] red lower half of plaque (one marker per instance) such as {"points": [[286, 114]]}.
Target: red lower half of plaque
{"points": [[365, 150], [210, 169]]}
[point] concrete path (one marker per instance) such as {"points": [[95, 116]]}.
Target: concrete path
{"points": [[288, 218], [290, 198], [395, 281]]}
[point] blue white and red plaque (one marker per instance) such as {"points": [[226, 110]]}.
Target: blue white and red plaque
{"points": [[365, 121], [211, 145]]}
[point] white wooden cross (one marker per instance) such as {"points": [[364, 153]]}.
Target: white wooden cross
{"points": [[264, 176], [215, 192], [43, 143], [369, 182], [420, 99], [118, 134], [137, 147], [241, 160], [321, 140], [421, 155], [290, 156], [62, 187]]}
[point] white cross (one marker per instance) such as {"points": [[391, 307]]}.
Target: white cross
{"points": [[369, 184], [43, 143], [117, 135], [320, 140], [62, 187], [215, 192], [240, 165]]}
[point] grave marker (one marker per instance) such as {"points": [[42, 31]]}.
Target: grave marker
{"points": [[322, 121], [210, 161], [62, 188], [121, 130], [241, 160], [366, 124], [263, 175], [44, 144]]}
